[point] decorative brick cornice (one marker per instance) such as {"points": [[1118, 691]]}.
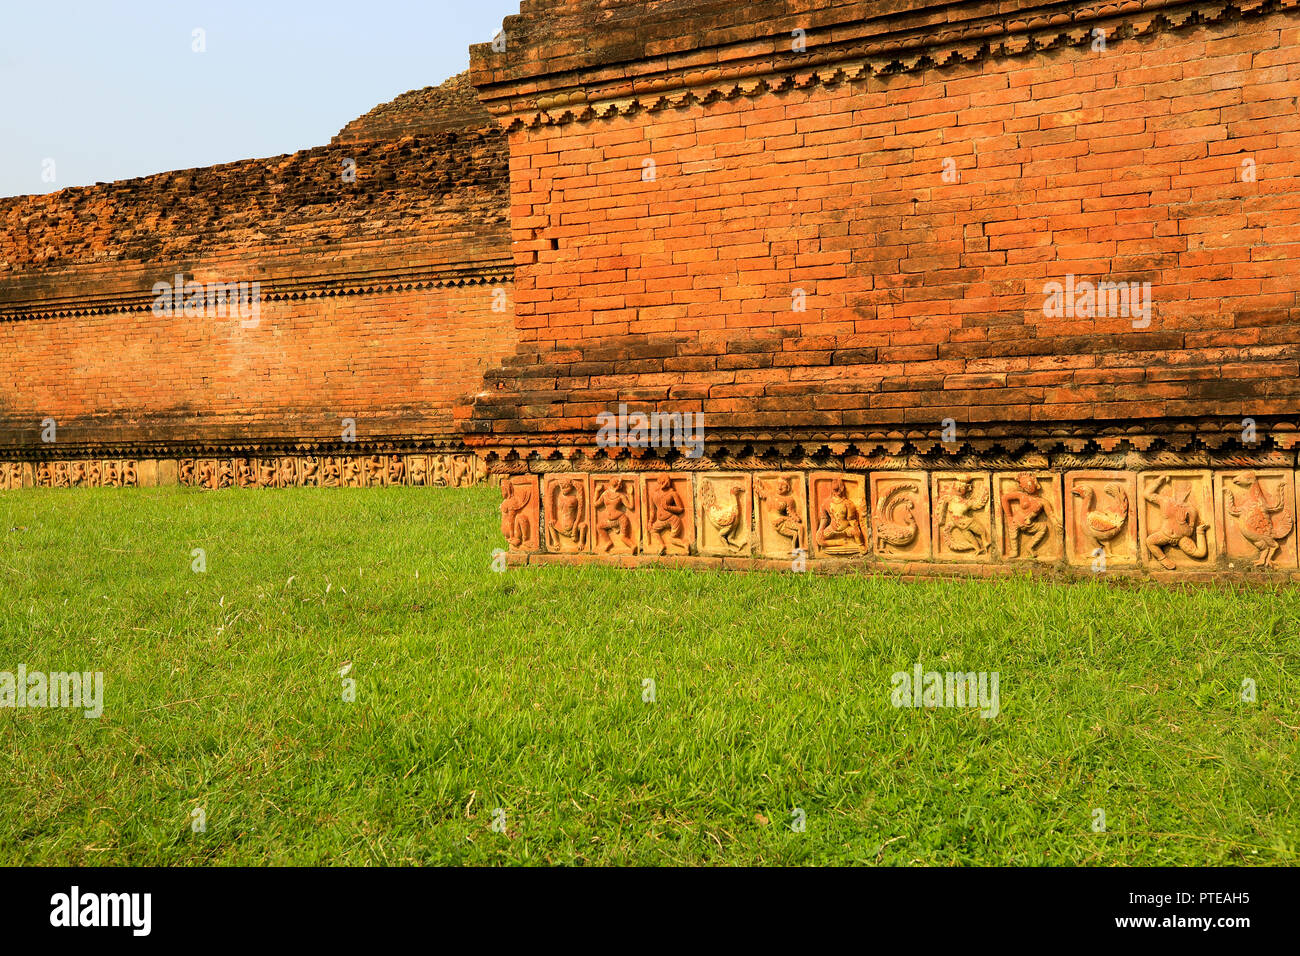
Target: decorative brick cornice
{"points": [[1186, 441], [277, 289], [840, 52]]}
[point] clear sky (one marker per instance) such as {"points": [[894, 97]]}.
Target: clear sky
{"points": [[113, 89]]}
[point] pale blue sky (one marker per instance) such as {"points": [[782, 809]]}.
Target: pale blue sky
{"points": [[112, 89]]}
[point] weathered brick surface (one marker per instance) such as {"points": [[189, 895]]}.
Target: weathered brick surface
{"points": [[385, 298], [452, 106], [1169, 158]]}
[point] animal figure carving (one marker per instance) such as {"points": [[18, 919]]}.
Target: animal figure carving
{"points": [[726, 518], [1265, 524], [893, 522], [1180, 521], [1104, 524], [516, 522]]}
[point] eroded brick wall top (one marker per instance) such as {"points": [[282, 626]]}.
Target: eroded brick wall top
{"points": [[435, 109], [452, 181]]}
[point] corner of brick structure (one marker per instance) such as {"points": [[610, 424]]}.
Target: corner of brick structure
{"points": [[956, 289]]}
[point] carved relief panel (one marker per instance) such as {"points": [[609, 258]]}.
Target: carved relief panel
{"points": [[11, 476], [962, 522], [566, 500], [667, 513], [309, 471], [462, 471], [1255, 510], [438, 474], [1176, 520], [351, 472], [615, 514], [1101, 516], [417, 470], [520, 512], [1028, 516], [331, 471], [781, 514], [900, 515], [722, 520], [267, 473], [840, 521], [396, 474], [290, 472]]}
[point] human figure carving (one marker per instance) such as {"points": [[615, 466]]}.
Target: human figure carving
{"points": [[396, 470], [614, 511], [566, 527], [783, 509], [839, 522], [1180, 521], [460, 472], [417, 470], [666, 516], [351, 473], [439, 471], [960, 525], [516, 522], [1027, 513], [1263, 523]]}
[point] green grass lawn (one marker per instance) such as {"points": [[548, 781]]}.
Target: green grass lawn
{"points": [[524, 691]]}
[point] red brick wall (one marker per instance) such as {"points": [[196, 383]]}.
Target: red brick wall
{"points": [[924, 297], [399, 363]]}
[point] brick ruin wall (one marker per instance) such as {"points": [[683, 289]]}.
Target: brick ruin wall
{"points": [[832, 229], [384, 297]]}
